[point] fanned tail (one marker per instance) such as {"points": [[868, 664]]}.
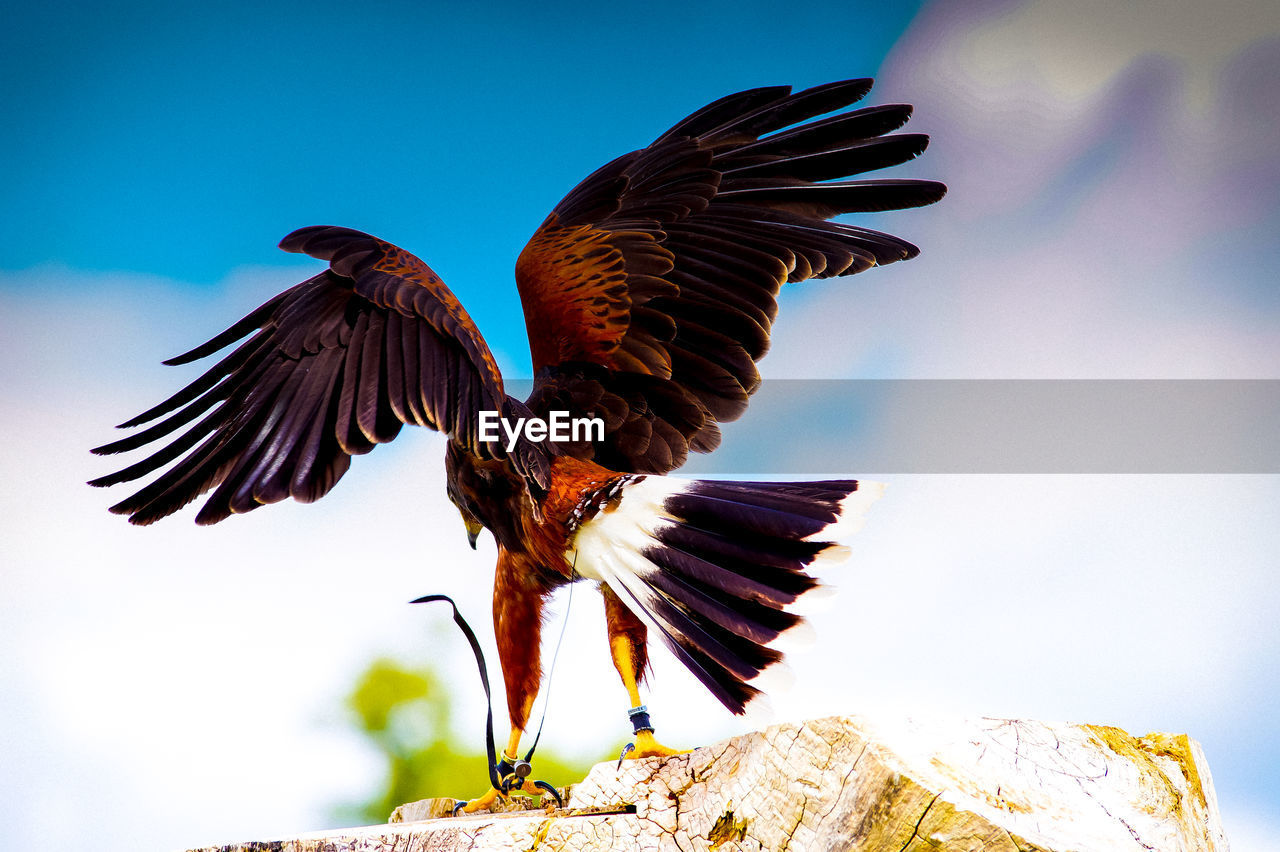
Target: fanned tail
{"points": [[713, 567]]}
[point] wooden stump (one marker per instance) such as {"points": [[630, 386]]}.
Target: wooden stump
{"points": [[852, 783]]}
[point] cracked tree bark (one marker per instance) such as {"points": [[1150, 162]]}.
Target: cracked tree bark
{"points": [[852, 783]]}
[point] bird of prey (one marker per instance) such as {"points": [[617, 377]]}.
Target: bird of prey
{"points": [[649, 294]]}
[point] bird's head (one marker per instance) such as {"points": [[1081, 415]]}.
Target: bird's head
{"points": [[487, 493], [472, 524]]}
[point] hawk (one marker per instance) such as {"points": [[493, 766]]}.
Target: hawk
{"points": [[649, 294]]}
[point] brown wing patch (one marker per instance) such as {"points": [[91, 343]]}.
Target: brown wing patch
{"points": [[573, 287], [405, 268], [584, 289]]}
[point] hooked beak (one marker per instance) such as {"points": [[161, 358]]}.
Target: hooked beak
{"points": [[473, 531]]}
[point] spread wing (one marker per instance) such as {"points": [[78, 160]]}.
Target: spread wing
{"points": [[649, 292], [330, 368]]}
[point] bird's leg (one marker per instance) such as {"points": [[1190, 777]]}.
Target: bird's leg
{"points": [[627, 646], [507, 762], [518, 600]]}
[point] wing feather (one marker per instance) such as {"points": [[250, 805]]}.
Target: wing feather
{"points": [[331, 368], [666, 263]]}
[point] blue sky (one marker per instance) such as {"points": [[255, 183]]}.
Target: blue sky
{"points": [[1114, 213], [180, 141]]}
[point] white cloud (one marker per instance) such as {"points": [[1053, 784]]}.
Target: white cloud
{"points": [[1076, 49], [1099, 223]]}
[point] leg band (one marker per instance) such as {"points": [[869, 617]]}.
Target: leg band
{"points": [[640, 719], [512, 771], [509, 765]]}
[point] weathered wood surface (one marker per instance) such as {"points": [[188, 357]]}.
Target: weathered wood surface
{"points": [[852, 783]]}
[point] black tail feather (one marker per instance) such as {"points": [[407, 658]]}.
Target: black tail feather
{"points": [[730, 560]]}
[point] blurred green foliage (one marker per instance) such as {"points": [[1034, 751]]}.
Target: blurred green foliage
{"points": [[404, 713]]}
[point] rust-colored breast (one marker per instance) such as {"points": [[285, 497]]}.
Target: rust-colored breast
{"points": [[573, 286], [579, 489]]}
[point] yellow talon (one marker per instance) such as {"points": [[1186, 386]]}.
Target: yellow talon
{"points": [[484, 802], [648, 746]]}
